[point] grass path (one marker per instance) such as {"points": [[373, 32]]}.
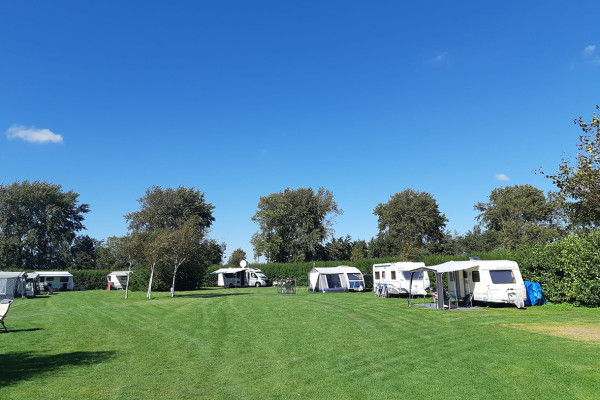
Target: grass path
{"points": [[255, 344]]}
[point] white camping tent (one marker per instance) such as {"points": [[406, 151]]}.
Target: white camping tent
{"points": [[12, 284], [493, 281], [335, 279]]}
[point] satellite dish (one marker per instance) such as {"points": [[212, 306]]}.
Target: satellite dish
{"points": [[243, 263]]}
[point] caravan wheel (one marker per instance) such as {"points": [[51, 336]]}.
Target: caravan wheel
{"points": [[257, 284], [231, 286]]}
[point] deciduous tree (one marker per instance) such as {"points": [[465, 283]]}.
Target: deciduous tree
{"points": [[519, 215], [38, 222], [579, 182], [236, 257], [408, 221], [293, 224]]}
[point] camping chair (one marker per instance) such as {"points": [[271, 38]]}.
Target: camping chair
{"points": [[4, 306]]}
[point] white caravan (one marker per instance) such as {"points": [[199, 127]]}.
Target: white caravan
{"points": [[60, 280], [394, 279], [492, 281], [118, 279], [240, 277]]}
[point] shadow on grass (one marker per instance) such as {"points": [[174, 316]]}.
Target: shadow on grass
{"points": [[211, 295], [24, 365], [22, 330]]}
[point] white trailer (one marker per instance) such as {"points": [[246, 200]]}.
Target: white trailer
{"points": [[240, 277], [491, 281], [118, 279], [59, 280], [395, 279]]}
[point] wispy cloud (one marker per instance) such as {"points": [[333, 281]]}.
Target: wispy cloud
{"points": [[502, 177], [33, 135], [441, 57], [589, 50]]}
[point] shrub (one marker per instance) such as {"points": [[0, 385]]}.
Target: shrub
{"points": [[90, 279]]}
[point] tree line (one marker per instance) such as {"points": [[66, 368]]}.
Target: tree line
{"points": [[169, 235]]}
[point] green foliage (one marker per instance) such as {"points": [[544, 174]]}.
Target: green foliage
{"points": [[568, 269], [579, 184], [38, 222], [293, 224], [520, 215], [90, 279], [409, 221], [236, 257], [169, 209]]}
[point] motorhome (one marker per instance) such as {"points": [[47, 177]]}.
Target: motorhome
{"points": [[335, 279], [393, 279], [491, 281], [240, 277]]}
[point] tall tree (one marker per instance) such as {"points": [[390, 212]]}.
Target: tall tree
{"points": [[579, 182], [236, 257], [410, 220], [293, 224], [170, 209], [183, 243], [339, 249], [359, 250], [83, 252], [38, 222], [519, 215], [174, 223]]}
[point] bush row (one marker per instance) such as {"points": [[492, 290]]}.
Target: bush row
{"points": [[89, 279], [568, 269]]}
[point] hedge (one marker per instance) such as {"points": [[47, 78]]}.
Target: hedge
{"points": [[89, 279], [568, 269]]}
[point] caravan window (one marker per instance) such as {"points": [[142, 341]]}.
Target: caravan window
{"points": [[354, 277], [416, 275], [382, 274], [502, 276], [393, 275], [475, 276], [64, 279], [376, 274]]}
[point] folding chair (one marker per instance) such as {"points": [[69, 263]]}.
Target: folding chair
{"points": [[4, 307]]}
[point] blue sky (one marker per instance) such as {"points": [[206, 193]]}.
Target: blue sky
{"points": [[242, 99]]}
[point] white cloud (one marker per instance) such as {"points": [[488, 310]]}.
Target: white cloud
{"points": [[589, 50], [502, 177], [441, 57], [33, 135]]}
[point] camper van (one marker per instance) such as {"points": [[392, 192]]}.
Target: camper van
{"points": [[336, 279], [240, 277], [393, 279], [492, 281]]}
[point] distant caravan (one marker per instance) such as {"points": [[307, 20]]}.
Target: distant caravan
{"points": [[393, 279]]}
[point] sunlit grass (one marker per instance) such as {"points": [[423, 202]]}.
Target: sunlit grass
{"points": [[255, 344]]}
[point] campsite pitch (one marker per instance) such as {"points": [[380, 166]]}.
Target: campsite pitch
{"points": [[252, 343]]}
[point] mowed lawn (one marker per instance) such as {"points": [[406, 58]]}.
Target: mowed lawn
{"points": [[256, 344]]}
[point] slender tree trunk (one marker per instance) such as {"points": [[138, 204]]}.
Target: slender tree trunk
{"points": [[177, 265], [148, 294], [127, 287], [173, 284]]}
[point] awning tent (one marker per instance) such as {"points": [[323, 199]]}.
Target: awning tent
{"points": [[441, 269], [327, 280], [12, 284]]}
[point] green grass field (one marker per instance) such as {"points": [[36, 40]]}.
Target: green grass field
{"points": [[256, 344]]}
